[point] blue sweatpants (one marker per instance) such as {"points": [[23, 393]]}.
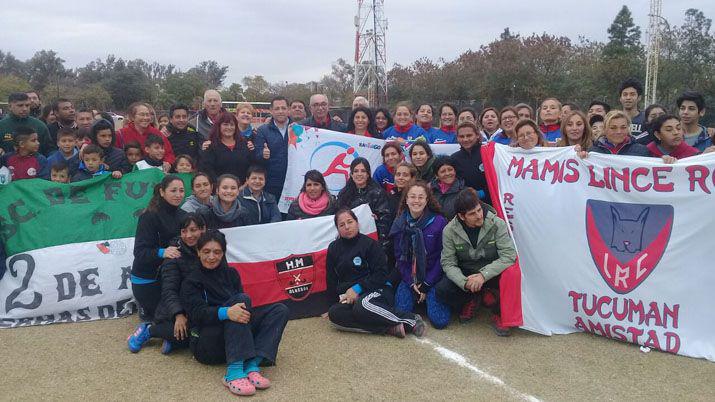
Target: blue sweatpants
{"points": [[437, 312]]}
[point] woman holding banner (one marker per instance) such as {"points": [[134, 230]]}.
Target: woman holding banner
{"points": [[314, 199], [225, 327], [156, 227], [357, 275], [617, 139], [669, 141], [417, 238]]}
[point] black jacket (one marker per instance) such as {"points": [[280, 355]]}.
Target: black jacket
{"points": [[204, 291], [173, 272], [332, 124], [379, 202], [155, 230], [471, 169], [218, 159], [187, 141], [295, 212], [217, 218], [116, 159], [446, 200], [261, 211], [360, 261]]}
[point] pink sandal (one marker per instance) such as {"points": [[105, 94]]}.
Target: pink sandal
{"points": [[240, 386], [259, 381]]}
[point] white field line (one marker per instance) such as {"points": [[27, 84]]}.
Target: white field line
{"points": [[483, 375]]}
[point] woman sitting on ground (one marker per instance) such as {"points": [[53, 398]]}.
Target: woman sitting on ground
{"points": [[225, 327], [416, 236], [170, 320], [446, 185], [314, 199], [357, 282]]}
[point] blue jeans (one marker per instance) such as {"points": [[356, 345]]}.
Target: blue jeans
{"points": [[437, 312]]}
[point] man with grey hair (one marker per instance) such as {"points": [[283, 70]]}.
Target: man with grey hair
{"points": [[360, 101], [320, 118], [203, 120]]}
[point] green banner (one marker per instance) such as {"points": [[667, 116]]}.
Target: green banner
{"points": [[38, 213]]}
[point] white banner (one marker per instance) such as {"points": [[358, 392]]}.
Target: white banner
{"points": [[614, 245], [331, 153], [68, 283]]}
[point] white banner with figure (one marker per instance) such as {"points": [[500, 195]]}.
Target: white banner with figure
{"points": [[614, 245], [331, 153]]}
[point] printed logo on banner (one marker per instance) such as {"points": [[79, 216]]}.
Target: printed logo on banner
{"points": [[337, 156], [294, 135], [626, 240], [112, 247], [296, 275]]}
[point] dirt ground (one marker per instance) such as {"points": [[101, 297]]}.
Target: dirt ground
{"points": [[90, 361]]}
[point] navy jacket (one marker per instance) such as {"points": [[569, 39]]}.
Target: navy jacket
{"points": [[264, 210], [277, 164]]}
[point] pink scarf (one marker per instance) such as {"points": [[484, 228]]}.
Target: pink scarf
{"points": [[313, 207]]}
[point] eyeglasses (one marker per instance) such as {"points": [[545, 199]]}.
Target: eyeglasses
{"points": [[324, 104], [509, 118]]}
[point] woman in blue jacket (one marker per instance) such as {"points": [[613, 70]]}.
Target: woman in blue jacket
{"points": [[417, 238]]}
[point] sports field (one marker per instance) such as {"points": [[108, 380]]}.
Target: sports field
{"points": [[90, 361]]}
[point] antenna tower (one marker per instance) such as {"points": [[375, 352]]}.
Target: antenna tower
{"points": [[370, 52], [653, 53]]}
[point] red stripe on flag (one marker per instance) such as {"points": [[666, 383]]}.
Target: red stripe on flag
{"points": [[289, 278]]}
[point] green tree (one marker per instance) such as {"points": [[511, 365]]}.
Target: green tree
{"points": [[127, 85], [182, 88], [211, 73], [10, 84], [256, 88], [234, 92], [44, 68]]}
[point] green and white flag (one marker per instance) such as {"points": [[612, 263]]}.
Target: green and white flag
{"points": [[69, 247]]}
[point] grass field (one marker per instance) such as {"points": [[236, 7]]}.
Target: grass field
{"points": [[90, 361]]}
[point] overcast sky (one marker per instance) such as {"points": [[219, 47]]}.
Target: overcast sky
{"points": [[294, 41]]}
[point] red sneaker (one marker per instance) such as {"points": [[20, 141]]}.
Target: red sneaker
{"points": [[498, 328], [469, 310]]}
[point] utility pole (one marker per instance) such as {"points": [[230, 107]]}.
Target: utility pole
{"points": [[653, 52], [370, 52]]}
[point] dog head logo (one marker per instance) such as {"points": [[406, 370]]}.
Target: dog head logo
{"points": [[296, 275], [627, 241]]}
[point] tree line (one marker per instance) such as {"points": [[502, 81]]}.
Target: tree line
{"points": [[510, 69]]}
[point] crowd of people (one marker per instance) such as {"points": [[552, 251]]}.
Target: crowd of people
{"points": [[440, 243]]}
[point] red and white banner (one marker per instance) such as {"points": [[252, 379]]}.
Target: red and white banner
{"points": [[285, 261], [613, 245]]}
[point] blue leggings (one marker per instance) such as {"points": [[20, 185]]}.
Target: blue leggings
{"points": [[437, 312]]}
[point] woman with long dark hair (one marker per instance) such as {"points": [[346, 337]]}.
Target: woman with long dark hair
{"points": [[362, 189], [422, 158], [170, 319], [362, 122], [157, 226], [314, 199], [385, 174], [383, 120], [417, 238], [357, 275], [226, 151]]}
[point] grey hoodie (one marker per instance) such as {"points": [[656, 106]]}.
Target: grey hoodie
{"points": [[192, 204]]}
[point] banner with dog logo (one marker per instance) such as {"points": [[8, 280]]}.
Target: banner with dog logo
{"points": [[617, 246], [331, 153], [285, 261]]}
